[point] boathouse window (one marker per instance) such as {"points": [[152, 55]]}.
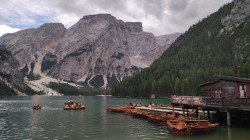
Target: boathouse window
{"points": [[242, 89], [217, 93]]}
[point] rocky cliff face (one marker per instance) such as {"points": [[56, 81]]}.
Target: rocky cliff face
{"points": [[30, 46], [9, 71], [240, 11], [163, 43], [98, 50]]}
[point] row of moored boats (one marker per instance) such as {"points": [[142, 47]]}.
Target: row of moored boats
{"points": [[176, 123]]}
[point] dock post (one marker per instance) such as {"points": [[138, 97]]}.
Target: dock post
{"points": [[183, 111], [187, 112], [228, 118], [197, 115], [208, 115], [203, 114], [229, 133], [173, 109]]}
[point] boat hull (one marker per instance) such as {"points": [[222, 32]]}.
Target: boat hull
{"points": [[201, 129], [119, 109], [157, 119], [139, 114], [129, 111], [176, 131], [177, 126], [74, 108], [36, 107], [116, 109]]}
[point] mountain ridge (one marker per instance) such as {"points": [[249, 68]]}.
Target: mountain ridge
{"points": [[97, 51]]}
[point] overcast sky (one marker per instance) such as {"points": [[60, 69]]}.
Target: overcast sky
{"points": [[157, 16]]}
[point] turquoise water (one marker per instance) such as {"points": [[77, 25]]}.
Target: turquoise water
{"points": [[19, 121]]}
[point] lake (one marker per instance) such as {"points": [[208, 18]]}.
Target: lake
{"points": [[19, 121]]}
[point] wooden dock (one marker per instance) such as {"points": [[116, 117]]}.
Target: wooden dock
{"points": [[166, 109], [240, 107]]}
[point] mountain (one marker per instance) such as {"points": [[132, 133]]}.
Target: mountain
{"points": [[101, 50], [214, 46], [97, 51]]}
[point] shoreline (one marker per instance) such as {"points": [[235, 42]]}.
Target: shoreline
{"points": [[103, 95]]}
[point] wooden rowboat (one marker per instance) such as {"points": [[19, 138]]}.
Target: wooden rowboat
{"points": [[116, 109], [201, 128], [189, 121], [75, 108], [169, 115], [139, 114], [177, 126], [128, 111], [36, 107], [157, 119], [119, 109]]}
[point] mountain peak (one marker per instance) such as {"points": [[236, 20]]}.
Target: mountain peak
{"points": [[47, 25], [130, 26], [57, 29], [107, 17], [97, 15]]}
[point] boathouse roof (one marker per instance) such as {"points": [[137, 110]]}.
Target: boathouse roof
{"points": [[226, 78]]}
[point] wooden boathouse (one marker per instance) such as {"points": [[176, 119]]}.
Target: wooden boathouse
{"points": [[228, 95]]}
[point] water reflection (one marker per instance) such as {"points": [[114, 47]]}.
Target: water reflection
{"points": [[229, 133]]}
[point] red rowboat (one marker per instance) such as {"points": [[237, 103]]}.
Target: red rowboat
{"points": [[36, 107], [75, 108], [157, 119], [177, 126], [201, 128], [168, 115], [119, 109], [128, 111], [139, 114]]}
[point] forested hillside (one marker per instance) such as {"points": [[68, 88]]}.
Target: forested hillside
{"points": [[208, 48]]}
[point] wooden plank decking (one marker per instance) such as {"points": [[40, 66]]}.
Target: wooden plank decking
{"points": [[165, 109]]}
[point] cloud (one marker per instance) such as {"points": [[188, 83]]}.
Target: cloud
{"points": [[7, 29], [177, 6], [181, 14], [158, 16]]}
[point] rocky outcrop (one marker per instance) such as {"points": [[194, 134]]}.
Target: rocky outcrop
{"points": [[9, 71], [99, 50], [163, 43], [134, 26], [29, 46], [240, 11]]}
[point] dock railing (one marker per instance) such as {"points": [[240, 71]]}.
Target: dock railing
{"points": [[212, 102], [186, 100]]}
